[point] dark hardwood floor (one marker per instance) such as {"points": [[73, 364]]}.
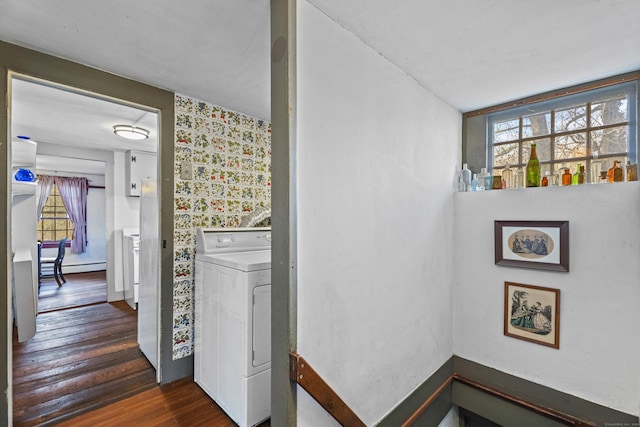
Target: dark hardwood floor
{"points": [[84, 368], [181, 403], [80, 359], [80, 289]]}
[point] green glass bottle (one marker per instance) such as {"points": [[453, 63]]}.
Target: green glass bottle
{"points": [[533, 168]]}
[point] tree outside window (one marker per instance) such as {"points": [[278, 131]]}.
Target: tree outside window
{"points": [[592, 129], [54, 223]]}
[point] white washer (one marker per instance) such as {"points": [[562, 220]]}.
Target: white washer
{"points": [[232, 347]]}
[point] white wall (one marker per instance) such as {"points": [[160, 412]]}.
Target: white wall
{"points": [[375, 221], [599, 352]]}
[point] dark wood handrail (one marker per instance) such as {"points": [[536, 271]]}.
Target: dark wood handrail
{"points": [[538, 409], [302, 373], [427, 402]]}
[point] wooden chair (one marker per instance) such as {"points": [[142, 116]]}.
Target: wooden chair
{"points": [[57, 262]]}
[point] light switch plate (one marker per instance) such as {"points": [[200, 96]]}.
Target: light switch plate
{"points": [[186, 170]]}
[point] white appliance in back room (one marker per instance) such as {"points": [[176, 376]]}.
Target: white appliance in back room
{"points": [[131, 264], [232, 348], [149, 286]]}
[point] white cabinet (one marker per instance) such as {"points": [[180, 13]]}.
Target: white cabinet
{"points": [[139, 165]]}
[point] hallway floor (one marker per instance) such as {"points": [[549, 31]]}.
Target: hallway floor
{"points": [[84, 367]]}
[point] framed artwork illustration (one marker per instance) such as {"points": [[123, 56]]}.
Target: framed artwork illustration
{"points": [[542, 245], [532, 313]]}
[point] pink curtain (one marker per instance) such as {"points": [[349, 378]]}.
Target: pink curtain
{"points": [[45, 182], [73, 192]]}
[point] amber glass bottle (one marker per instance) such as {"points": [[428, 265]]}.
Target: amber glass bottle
{"points": [[614, 174], [566, 177], [533, 168]]}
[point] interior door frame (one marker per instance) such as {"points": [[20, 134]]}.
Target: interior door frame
{"points": [[40, 66]]}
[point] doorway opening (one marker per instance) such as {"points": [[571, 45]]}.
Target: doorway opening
{"points": [[70, 365]]}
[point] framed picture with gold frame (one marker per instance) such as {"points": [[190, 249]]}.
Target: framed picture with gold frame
{"points": [[532, 313]]}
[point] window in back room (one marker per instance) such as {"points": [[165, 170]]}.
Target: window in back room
{"points": [[54, 222], [592, 128]]}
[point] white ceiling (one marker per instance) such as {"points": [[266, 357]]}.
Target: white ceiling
{"points": [[470, 53]]}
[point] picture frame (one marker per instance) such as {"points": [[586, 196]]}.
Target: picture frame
{"points": [[541, 245], [532, 313]]}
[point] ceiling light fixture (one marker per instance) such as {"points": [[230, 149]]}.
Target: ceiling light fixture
{"points": [[131, 132]]}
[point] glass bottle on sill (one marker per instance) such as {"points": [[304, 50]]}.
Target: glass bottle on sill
{"points": [[474, 182], [566, 177], [614, 174], [465, 175], [484, 182], [632, 171], [533, 168], [507, 177], [520, 178], [545, 179], [579, 177], [555, 178]]}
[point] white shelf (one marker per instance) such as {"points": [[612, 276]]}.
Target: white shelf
{"points": [[23, 153], [23, 188]]}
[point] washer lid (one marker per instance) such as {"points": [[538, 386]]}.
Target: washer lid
{"points": [[243, 261]]}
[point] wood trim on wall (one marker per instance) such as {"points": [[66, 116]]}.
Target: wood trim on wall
{"points": [[303, 374], [635, 75], [493, 393]]}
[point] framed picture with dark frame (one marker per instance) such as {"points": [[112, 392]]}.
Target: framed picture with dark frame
{"points": [[532, 313], [542, 245]]}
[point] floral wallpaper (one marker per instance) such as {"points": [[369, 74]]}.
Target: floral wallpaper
{"points": [[230, 156]]}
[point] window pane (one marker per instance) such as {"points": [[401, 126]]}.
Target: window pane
{"points": [[609, 112], [571, 146], [505, 131], [610, 141], [48, 235], [571, 119], [536, 125], [543, 150], [505, 155]]}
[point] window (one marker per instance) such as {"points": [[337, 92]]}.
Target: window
{"points": [[54, 223], [591, 128]]}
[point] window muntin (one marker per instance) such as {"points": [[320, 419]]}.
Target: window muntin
{"points": [[592, 128], [54, 223]]}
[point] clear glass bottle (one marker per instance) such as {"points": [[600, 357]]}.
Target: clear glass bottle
{"points": [[465, 173], [555, 178], [520, 178], [507, 177], [533, 168], [484, 182], [474, 182]]}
